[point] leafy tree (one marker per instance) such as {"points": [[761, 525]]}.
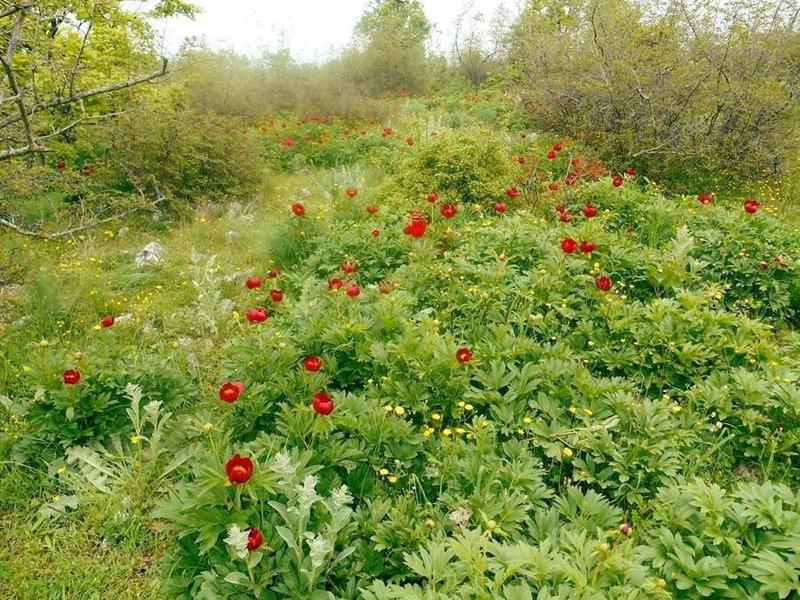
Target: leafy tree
{"points": [[392, 36], [60, 59]]}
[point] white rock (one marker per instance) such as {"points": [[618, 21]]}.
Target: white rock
{"points": [[12, 289], [150, 254]]}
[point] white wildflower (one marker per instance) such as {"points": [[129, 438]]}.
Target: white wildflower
{"points": [[237, 540], [307, 493], [460, 515], [282, 465], [319, 548], [341, 497]]}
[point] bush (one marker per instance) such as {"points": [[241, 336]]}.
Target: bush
{"points": [[686, 91], [469, 166], [165, 147], [59, 416]]}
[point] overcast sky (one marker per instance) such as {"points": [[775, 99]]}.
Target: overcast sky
{"points": [[312, 29]]}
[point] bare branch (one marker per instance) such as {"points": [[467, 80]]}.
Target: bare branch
{"points": [[64, 129], [12, 226], [89, 93], [6, 61], [12, 152], [16, 9], [77, 63]]}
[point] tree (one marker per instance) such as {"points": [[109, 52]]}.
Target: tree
{"points": [[679, 87], [59, 59], [391, 35], [477, 49]]}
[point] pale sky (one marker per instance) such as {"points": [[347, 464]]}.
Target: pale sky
{"points": [[312, 29]]}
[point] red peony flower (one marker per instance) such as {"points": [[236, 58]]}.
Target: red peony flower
{"points": [[388, 131], [554, 186], [625, 529], [571, 179], [590, 210], [603, 283], [631, 171], [61, 166], [463, 355], [276, 295], [560, 208], [500, 207], [521, 160], [569, 245], [618, 180], [588, 247], [254, 539], [351, 192], [257, 315], [274, 273], [448, 210], [313, 364], [71, 377], [335, 283], [416, 228], [432, 197], [289, 142], [239, 469], [253, 283], [564, 217], [230, 392], [557, 147], [372, 209], [375, 232], [107, 321], [751, 206], [353, 290], [552, 154], [705, 198], [410, 141], [348, 267], [298, 209], [323, 404], [512, 192]]}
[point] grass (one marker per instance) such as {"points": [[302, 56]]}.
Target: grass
{"points": [[71, 285], [73, 561]]}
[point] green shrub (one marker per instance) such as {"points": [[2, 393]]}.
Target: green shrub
{"points": [[468, 166], [166, 148]]}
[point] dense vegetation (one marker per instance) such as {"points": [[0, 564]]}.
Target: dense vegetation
{"points": [[396, 334]]}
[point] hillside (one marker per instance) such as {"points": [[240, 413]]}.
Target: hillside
{"points": [[454, 360]]}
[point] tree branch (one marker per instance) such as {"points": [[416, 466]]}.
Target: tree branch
{"points": [[89, 93], [12, 226], [16, 9], [6, 61]]}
